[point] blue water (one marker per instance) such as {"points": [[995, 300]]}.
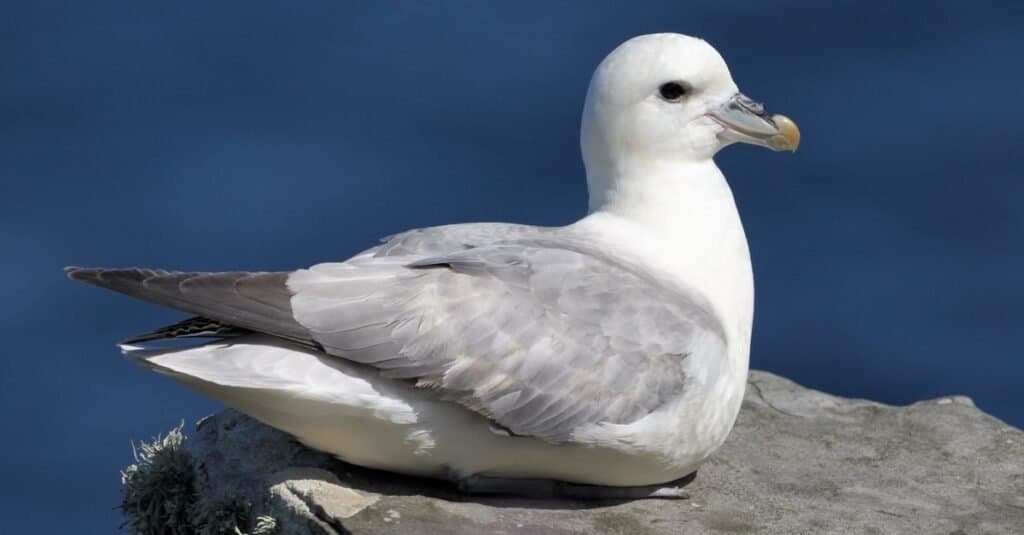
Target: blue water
{"points": [[249, 135]]}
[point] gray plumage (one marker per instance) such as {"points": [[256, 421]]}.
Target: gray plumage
{"points": [[536, 328], [256, 301]]}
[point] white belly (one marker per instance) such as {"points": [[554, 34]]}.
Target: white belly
{"points": [[351, 412]]}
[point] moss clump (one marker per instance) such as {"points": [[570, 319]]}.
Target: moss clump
{"points": [[160, 497], [158, 488]]}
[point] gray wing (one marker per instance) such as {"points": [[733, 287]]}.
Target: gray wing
{"points": [[257, 301], [540, 334], [261, 301], [446, 239], [540, 338]]}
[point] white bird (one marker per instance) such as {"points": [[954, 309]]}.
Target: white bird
{"points": [[606, 358]]}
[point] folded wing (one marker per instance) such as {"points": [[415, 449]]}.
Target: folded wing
{"points": [[539, 333]]}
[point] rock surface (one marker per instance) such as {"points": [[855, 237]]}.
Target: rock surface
{"points": [[798, 461]]}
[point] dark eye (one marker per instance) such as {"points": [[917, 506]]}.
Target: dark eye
{"points": [[672, 91]]}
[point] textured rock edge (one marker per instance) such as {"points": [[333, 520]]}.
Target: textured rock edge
{"points": [[799, 460]]}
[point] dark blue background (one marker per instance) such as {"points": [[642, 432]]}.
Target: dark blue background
{"points": [[245, 135]]}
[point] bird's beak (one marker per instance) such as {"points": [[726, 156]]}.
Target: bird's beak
{"points": [[745, 121]]}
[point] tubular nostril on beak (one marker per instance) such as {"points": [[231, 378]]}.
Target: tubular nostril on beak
{"points": [[749, 104]]}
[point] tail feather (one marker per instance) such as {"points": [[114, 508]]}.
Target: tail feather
{"points": [[255, 301]]}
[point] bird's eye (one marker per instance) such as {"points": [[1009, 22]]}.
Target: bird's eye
{"points": [[672, 91]]}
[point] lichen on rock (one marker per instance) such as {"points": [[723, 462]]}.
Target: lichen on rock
{"points": [[159, 495]]}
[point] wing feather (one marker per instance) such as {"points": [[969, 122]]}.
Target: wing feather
{"points": [[539, 331], [256, 301], [541, 336]]}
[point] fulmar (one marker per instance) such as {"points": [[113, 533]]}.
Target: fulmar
{"points": [[602, 359]]}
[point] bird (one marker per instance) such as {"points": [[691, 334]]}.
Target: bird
{"points": [[606, 358]]}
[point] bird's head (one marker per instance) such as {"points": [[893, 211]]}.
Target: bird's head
{"points": [[671, 97]]}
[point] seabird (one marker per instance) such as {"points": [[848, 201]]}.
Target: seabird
{"points": [[605, 358]]}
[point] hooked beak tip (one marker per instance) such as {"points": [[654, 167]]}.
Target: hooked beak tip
{"points": [[788, 137]]}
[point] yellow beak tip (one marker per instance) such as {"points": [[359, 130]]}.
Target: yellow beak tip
{"points": [[789, 135]]}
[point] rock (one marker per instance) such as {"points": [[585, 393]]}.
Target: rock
{"points": [[798, 461]]}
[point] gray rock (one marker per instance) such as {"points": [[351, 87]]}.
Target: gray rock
{"points": [[798, 461]]}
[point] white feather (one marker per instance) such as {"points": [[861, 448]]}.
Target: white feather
{"points": [[353, 413]]}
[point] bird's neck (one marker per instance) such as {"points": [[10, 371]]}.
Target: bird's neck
{"points": [[683, 214]]}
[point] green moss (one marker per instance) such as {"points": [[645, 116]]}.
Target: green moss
{"points": [[160, 497], [158, 488]]}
